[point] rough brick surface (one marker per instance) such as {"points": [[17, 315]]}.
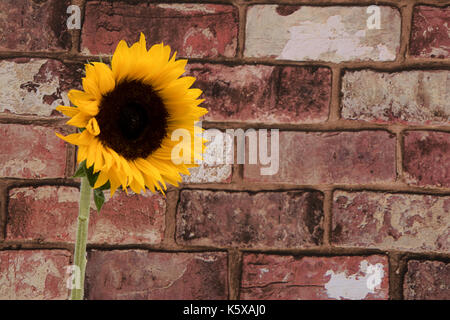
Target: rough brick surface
{"points": [[314, 278], [411, 97], [430, 34], [260, 93], [214, 167], [36, 86], [138, 274], [321, 33], [49, 214], [391, 221], [427, 280], [331, 157], [29, 151], [426, 158], [34, 25], [263, 219], [193, 30], [33, 274]]}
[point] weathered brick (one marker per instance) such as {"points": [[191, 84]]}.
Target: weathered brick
{"points": [[49, 214], [331, 157], [314, 278], [263, 219], [33, 274], [36, 86], [214, 167], [427, 280], [391, 221], [30, 151], [426, 158], [34, 25], [430, 34], [193, 30], [335, 34], [138, 274], [260, 93], [411, 97]]}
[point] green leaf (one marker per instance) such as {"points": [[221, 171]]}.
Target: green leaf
{"points": [[81, 171], [106, 186], [99, 199], [92, 177]]}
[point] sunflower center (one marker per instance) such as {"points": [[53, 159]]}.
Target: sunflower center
{"points": [[132, 120]]}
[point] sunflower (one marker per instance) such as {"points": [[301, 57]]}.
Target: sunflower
{"points": [[127, 114]]}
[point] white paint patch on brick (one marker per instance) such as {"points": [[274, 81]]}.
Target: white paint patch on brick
{"points": [[333, 34], [206, 257], [213, 168], [410, 96], [356, 286], [32, 277], [21, 94], [17, 167], [67, 194], [188, 8]]}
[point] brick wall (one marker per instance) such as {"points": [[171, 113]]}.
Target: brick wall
{"points": [[364, 177]]}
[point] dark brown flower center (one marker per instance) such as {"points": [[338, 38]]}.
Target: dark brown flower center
{"points": [[132, 120]]}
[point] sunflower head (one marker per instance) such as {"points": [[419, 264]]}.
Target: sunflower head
{"points": [[127, 113]]}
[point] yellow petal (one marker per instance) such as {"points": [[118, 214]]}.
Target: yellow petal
{"points": [[92, 127], [99, 163], [75, 138], [80, 120], [114, 180], [102, 179], [105, 78], [120, 62], [86, 102], [92, 152], [90, 86], [108, 158], [68, 111], [82, 153]]}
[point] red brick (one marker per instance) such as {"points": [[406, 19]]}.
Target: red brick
{"points": [[427, 280], [430, 34], [142, 275], [30, 151], [331, 157], [259, 93], [387, 221], [36, 86], [34, 25], [49, 214], [314, 278], [426, 158], [33, 274], [193, 30], [262, 219]]}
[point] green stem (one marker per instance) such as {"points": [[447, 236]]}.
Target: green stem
{"points": [[82, 233]]}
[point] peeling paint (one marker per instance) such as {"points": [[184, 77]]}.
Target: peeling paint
{"points": [[387, 220], [213, 168], [34, 274], [22, 94], [355, 286], [333, 34], [416, 97], [188, 8], [313, 41]]}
